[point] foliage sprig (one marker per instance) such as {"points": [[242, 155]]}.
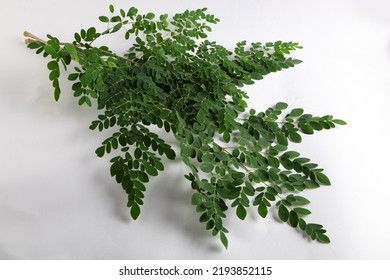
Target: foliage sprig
{"points": [[174, 78]]}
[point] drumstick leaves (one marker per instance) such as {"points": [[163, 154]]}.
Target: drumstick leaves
{"points": [[174, 78]]}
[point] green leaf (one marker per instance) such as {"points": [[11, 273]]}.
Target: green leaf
{"points": [[143, 177], [150, 16], [283, 213], [273, 162], [52, 65], [57, 92], [311, 184], [77, 37], [322, 178], [263, 175], [293, 218], [287, 164], [295, 137], [256, 76], [132, 12], [235, 153], [88, 101], [151, 170], [280, 148], [91, 32], [241, 212], [307, 129], [117, 27], [296, 112], [282, 139], [302, 211], [262, 210], [222, 156], [340, 122], [82, 100], [281, 106], [115, 19], [296, 61], [34, 45], [205, 185], [135, 211], [291, 154], [226, 136], [104, 19], [315, 226], [204, 218], [163, 17], [302, 224], [51, 51], [300, 200], [208, 158], [196, 199], [111, 7], [315, 125], [100, 151], [73, 76], [223, 239], [323, 238], [302, 160], [170, 154], [210, 225], [207, 167], [54, 75], [72, 51]]}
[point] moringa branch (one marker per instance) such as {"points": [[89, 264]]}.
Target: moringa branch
{"points": [[193, 88]]}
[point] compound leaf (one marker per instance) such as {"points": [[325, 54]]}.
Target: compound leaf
{"points": [[178, 83]]}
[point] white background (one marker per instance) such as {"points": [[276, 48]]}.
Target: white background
{"points": [[58, 201]]}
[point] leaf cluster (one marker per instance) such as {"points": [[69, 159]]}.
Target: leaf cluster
{"points": [[174, 78]]}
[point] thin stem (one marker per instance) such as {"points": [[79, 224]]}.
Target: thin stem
{"points": [[223, 149], [32, 38], [232, 147]]}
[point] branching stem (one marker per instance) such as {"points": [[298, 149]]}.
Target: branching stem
{"points": [[30, 38]]}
